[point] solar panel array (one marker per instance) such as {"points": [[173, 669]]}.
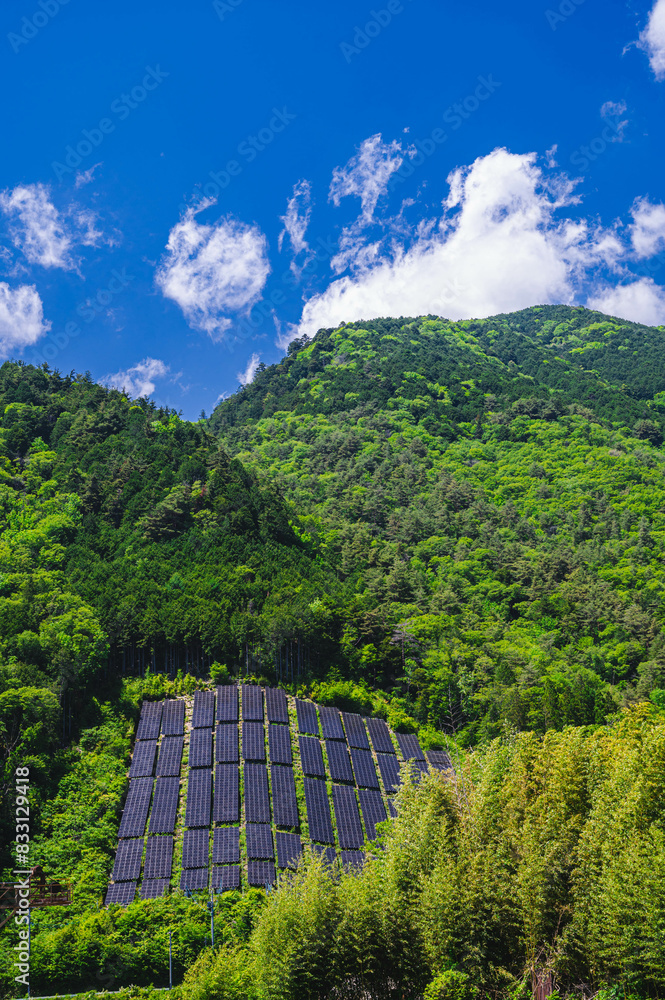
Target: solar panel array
{"points": [[272, 829]]}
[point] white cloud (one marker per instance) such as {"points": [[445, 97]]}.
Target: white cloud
{"points": [[84, 177], [611, 111], [21, 318], [41, 232], [366, 175], [250, 371], [296, 220], [212, 271], [498, 247], [648, 228], [652, 39], [138, 380], [640, 301]]}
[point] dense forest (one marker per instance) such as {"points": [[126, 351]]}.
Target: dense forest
{"points": [[456, 526]]}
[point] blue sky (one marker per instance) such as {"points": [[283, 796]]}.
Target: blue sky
{"points": [[185, 188]]}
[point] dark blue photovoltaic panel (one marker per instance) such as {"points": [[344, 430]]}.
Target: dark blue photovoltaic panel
{"points": [[226, 743], [199, 798], [154, 888], [356, 735], [380, 734], [226, 845], [194, 879], [259, 841], [327, 853], [392, 808], [127, 861], [284, 802], [122, 893], [150, 720], [363, 768], [225, 878], [173, 719], [253, 741], [339, 764], [347, 818], [158, 857], [289, 849], [439, 760], [203, 716], [200, 748], [318, 811], [308, 721], [227, 703], [143, 759], [353, 861], [135, 813], [165, 805], [170, 756], [311, 757], [252, 703], [389, 768], [279, 745], [227, 794], [195, 848], [331, 723], [373, 810], [260, 873], [277, 708], [410, 747], [257, 799]]}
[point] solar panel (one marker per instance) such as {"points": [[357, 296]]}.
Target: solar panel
{"points": [[194, 879], [226, 845], [355, 731], [331, 723], [439, 760], [227, 703], [154, 888], [260, 873], [170, 756], [150, 720], [173, 719], [195, 848], [158, 857], [373, 810], [279, 745], [259, 841], [143, 759], [225, 878], [311, 757], [257, 800], [165, 805], [289, 849], [226, 808], [339, 764], [135, 813], [418, 768], [380, 735], [327, 853], [200, 748], [353, 861], [347, 817], [253, 741], [363, 768], [277, 708], [127, 861], [318, 811], [199, 796], [203, 715], [389, 768], [410, 747], [308, 720], [121, 892], [284, 802], [392, 809], [226, 743], [252, 703]]}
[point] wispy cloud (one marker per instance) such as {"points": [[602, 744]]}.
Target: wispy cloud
{"points": [[296, 220], [213, 271], [366, 174], [652, 39], [250, 371], [44, 235], [140, 380], [22, 320], [85, 176], [612, 111]]}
